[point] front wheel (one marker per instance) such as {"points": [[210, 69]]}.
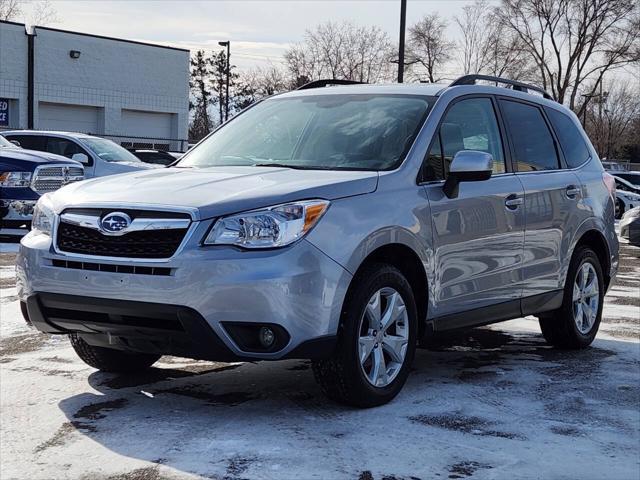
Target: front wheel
{"points": [[575, 324], [376, 342], [109, 359]]}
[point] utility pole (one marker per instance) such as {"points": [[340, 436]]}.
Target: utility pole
{"points": [[403, 21], [226, 95]]}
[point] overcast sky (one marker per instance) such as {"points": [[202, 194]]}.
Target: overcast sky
{"points": [[259, 31]]}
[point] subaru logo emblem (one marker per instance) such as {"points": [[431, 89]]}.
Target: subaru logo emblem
{"points": [[115, 222]]}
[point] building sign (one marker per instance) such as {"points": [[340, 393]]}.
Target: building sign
{"points": [[4, 112]]}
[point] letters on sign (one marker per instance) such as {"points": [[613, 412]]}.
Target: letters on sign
{"points": [[4, 112]]}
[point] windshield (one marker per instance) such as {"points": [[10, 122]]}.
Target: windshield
{"points": [[109, 151], [354, 132], [6, 143]]}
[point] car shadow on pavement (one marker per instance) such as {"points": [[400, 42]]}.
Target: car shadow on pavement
{"points": [[209, 418]]}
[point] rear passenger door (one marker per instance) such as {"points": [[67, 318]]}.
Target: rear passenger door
{"points": [[478, 235], [552, 195]]}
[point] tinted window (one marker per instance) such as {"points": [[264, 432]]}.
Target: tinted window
{"points": [[533, 144], [571, 140], [30, 142], [64, 147], [332, 131], [159, 158], [468, 125]]}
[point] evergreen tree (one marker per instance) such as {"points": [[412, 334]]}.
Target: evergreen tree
{"points": [[201, 122]]}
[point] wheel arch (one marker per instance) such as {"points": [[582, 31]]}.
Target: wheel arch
{"points": [[407, 260], [593, 238]]}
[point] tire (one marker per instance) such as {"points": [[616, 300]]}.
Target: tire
{"points": [[342, 377], [619, 209], [109, 359], [560, 327]]}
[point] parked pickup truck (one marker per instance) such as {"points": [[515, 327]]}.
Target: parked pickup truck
{"points": [[24, 176], [99, 156]]}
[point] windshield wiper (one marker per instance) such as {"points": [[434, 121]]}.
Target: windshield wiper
{"points": [[288, 165]]}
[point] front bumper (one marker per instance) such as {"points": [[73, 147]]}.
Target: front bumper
{"points": [[297, 288]]}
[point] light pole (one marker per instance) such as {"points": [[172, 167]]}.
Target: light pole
{"points": [[403, 21], [226, 98]]}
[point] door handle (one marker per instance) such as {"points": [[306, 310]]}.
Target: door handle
{"points": [[572, 191], [513, 201]]}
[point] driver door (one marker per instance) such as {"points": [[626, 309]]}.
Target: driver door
{"points": [[478, 236]]}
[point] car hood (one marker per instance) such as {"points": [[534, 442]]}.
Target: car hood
{"points": [[217, 190]]}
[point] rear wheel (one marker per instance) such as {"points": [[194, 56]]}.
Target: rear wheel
{"points": [[376, 343], [109, 359], [619, 208], [575, 324]]}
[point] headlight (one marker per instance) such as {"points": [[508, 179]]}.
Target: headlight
{"points": [[15, 179], [43, 215], [267, 228]]}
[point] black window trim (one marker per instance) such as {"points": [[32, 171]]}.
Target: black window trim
{"points": [[508, 166], [562, 164]]}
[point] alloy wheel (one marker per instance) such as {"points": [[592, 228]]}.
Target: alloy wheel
{"points": [[586, 298], [384, 337]]}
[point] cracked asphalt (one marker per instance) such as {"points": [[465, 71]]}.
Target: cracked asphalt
{"points": [[493, 402]]}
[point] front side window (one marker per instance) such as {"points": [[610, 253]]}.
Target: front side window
{"points": [[64, 147], [571, 140], [533, 144], [334, 131], [109, 151], [468, 125]]}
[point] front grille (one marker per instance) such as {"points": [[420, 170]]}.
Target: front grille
{"points": [[141, 244], [49, 179]]}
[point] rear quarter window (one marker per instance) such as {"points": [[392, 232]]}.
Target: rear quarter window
{"points": [[30, 142], [571, 140]]}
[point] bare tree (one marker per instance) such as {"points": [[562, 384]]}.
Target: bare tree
{"points": [[488, 46], [43, 13], [340, 51], [428, 45], [10, 10], [574, 43], [258, 83], [611, 118], [201, 123]]}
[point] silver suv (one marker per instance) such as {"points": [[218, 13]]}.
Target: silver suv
{"points": [[342, 224]]}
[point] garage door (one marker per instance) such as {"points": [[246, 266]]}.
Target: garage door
{"points": [[68, 118], [146, 124]]}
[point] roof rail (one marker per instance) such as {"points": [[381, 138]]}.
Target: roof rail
{"points": [[515, 85], [326, 82]]}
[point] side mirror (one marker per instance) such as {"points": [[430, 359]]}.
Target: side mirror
{"points": [[467, 166], [80, 157], [16, 143]]}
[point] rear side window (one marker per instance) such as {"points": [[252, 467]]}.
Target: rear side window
{"points": [[572, 142], [30, 142], [468, 125], [533, 143]]}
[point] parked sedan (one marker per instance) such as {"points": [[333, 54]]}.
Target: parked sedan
{"points": [[156, 157], [630, 226], [627, 196]]}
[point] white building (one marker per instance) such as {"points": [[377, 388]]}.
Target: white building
{"points": [[132, 92]]}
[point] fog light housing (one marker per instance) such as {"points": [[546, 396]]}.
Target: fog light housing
{"points": [[267, 337], [257, 337]]}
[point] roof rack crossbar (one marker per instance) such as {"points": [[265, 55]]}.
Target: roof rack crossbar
{"points": [[326, 82], [519, 86]]}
